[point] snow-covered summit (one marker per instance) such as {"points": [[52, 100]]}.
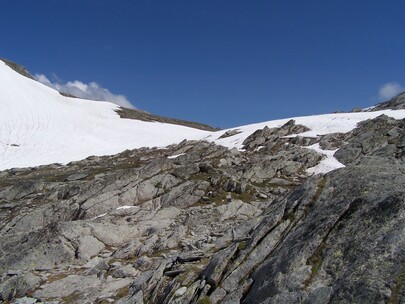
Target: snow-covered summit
{"points": [[40, 126]]}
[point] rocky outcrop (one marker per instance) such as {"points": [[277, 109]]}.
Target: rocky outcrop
{"points": [[381, 139], [329, 253], [198, 223], [396, 103], [18, 68], [145, 116]]}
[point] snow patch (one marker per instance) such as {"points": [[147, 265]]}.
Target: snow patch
{"points": [[175, 156], [318, 125], [329, 163], [125, 207], [98, 216], [369, 108]]}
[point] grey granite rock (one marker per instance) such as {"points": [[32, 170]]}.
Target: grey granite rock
{"points": [[220, 225]]}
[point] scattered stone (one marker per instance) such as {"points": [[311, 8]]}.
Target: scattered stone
{"points": [[93, 262], [25, 300], [18, 286], [77, 176], [128, 251], [213, 272], [126, 271], [143, 263], [140, 282], [173, 273], [190, 257], [89, 246], [229, 133], [237, 209], [217, 295], [181, 291], [262, 196]]}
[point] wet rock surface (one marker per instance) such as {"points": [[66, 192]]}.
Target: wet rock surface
{"points": [[198, 223]]}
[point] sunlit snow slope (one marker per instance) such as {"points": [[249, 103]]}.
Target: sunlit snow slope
{"points": [[39, 126]]}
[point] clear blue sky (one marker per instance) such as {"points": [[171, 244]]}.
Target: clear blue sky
{"points": [[223, 62]]}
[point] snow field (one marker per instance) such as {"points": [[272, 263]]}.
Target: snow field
{"points": [[38, 126]]}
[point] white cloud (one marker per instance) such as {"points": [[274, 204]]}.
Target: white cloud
{"points": [[91, 90], [390, 90]]}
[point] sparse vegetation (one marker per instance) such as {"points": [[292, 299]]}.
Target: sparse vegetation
{"points": [[204, 300], [399, 283], [72, 298], [122, 292], [291, 216], [242, 245], [315, 261]]}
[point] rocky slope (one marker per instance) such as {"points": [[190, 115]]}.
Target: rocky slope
{"points": [[200, 223]]}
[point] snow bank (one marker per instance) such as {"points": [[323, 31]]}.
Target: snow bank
{"points": [[39, 126]]}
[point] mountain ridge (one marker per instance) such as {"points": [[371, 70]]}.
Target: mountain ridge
{"points": [[41, 127], [123, 112], [302, 210]]}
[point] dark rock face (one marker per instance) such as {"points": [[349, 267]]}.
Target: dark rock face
{"points": [[145, 116], [198, 223], [346, 244], [18, 68], [396, 103]]}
